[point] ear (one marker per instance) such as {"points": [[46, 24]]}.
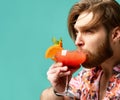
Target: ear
{"points": [[116, 34]]}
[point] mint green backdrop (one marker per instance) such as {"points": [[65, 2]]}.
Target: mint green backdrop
{"points": [[26, 29]]}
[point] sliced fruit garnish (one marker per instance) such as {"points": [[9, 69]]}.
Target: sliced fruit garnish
{"points": [[52, 50]]}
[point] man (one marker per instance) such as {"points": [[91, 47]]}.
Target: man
{"points": [[94, 25]]}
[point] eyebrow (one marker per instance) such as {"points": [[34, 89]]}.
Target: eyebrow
{"points": [[87, 27], [82, 28]]}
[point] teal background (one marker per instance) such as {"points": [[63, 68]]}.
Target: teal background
{"points": [[26, 29]]}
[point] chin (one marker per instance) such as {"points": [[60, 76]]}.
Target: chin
{"points": [[90, 65]]}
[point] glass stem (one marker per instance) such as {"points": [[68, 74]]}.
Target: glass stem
{"points": [[67, 84]]}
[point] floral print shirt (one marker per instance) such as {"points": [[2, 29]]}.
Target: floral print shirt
{"points": [[86, 85]]}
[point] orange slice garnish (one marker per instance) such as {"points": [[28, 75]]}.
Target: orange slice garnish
{"points": [[52, 50]]}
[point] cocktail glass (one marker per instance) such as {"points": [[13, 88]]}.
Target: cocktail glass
{"points": [[72, 59]]}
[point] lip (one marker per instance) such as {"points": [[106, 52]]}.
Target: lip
{"points": [[80, 50], [83, 51]]}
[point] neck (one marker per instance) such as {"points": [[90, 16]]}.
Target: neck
{"points": [[107, 66]]}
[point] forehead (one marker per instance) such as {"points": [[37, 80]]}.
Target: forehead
{"points": [[83, 19]]}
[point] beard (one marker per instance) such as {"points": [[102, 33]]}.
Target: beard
{"points": [[103, 52]]}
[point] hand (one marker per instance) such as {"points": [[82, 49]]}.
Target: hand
{"points": [[57, 76]]}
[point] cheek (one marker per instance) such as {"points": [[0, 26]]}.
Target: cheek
{"points": [[93, 41], [92, 45]]}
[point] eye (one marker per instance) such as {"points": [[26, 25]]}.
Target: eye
{"points": [[89, 31]]}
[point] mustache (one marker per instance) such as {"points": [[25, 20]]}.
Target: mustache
{"points": [[83, 50]]}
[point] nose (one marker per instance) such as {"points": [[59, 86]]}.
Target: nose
{"points": [[79, 41]]}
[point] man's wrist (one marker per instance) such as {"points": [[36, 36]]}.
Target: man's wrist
{"points": [[56, 93]]}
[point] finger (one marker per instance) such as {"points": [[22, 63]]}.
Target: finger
{"points": [[58, 72], [62, 74], [56, 65], [53, 76], [64, 68], [55, 69]]}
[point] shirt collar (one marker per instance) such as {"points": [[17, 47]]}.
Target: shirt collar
{"points": [[117, 68]]}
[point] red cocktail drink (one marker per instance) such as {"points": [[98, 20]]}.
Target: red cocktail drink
{"points": [[72, 59]]}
